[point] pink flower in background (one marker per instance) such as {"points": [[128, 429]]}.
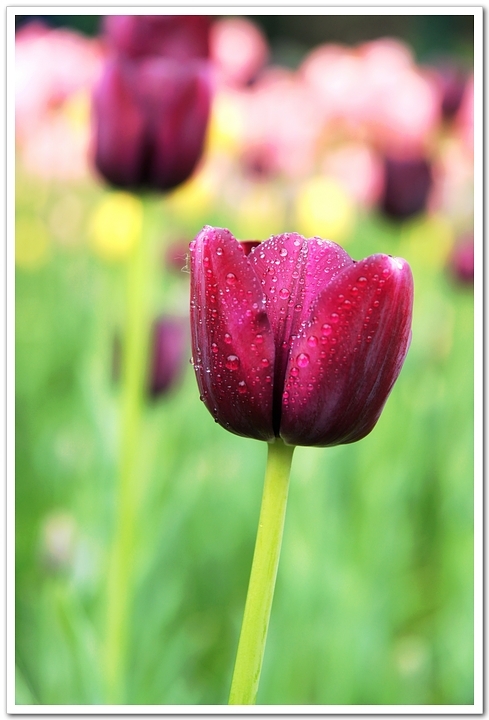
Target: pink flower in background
{"points": [[55, 71], [465, 117], [359, 170], [402, 105], [282, 122], [181, 37], [238, 49]]}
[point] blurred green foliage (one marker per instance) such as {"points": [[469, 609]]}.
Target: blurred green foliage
{"points": [[374, 598]]}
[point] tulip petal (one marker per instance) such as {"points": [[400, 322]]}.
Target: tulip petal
{"points": [[348, 354], [119, 126], [293, 271], [175, 97], [232, 341]]}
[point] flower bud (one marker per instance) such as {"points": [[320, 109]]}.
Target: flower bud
{"points": [[407, 185], [295, 339], [181, 37], [169, 348], [150, 119]]}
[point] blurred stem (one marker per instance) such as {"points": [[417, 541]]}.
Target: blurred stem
{"points": [[134, 377], [254, 629]]}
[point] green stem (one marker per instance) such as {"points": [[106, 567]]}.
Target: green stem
{"points": [[254, 629], [134, 375]]}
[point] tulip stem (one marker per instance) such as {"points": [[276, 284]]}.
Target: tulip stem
{"points": [[254, 629], [122, 551]]}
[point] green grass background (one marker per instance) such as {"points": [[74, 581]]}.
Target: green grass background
{"points": [[374, 596]]}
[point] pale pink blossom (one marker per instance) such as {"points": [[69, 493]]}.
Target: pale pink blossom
{"points": [[359, 169], [54, 73], [239, 50]]}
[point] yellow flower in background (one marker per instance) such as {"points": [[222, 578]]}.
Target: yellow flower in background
{"points": [[116, 226], [325, 209], [225, 129], [32, 244], [77, 109]]}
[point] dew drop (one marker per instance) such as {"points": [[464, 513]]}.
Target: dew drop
{"points": [[242, 387], [214, 348], [265, 362], [312, 341], [227, 338], [219, 251], [231, 278], [294, 372], [334, 317], [368, 338], [302, 360], [354, 291], [298, 308], [376, 303], [326, 329], [232, 362], [362, 280], [284, 293], [386, 272]]}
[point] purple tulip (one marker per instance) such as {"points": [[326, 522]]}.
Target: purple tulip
{"points": [[461, 262], [150, 119], [407, 185], [169, 348], [181, 37], [296, 340]]}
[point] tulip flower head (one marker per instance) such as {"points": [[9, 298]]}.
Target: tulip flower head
{"points": [[407, 186], [150, 121], [295, 339]]}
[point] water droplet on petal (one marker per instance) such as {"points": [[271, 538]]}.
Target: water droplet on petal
{"points": [[312, 341], [219, 251], [283, 252], [265, 362], [302, 360], [227, 338], [334, 317], [326, 329], [362, 280], [232, 362], [242, 387], [294, 372], [284, 293], [214, 348], [231, 278]]}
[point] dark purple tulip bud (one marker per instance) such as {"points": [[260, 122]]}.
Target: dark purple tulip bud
{"points": [[451, 81], [169, 354], [296, 340], [461, 263], [150, 119], [181, 37], [406, 188]]}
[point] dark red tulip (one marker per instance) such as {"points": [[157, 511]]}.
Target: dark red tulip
{"points": [[150, 119], [296, 340], [406, 188], [181, 37], [461, 262], [169, 354]]}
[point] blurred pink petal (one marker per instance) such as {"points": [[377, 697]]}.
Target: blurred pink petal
{"points": [[239, 50], [359, 170]]}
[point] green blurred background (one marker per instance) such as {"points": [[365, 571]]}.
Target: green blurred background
{"points": [[374, 597]]}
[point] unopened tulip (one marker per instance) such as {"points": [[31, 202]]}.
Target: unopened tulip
{"points": [[169, 346], [461, 262], [150, 119], [175, 36], [406, 187], [295, 339]]}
